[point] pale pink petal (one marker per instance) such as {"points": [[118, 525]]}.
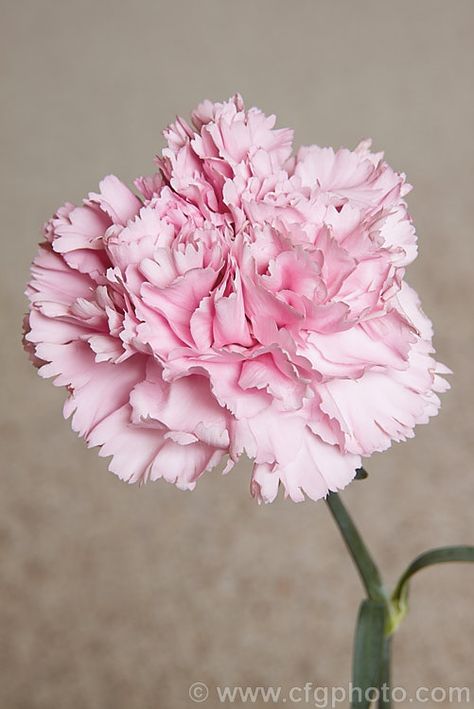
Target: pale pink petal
{"points": [[116, 199], [252, 303]]}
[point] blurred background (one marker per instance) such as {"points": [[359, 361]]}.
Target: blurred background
{"points": [[115, 597]]}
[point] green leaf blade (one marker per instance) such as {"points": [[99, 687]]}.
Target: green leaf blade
{"points": [[368, 653], [442, 555]]}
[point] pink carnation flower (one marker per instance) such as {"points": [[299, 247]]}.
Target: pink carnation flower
{"points": [[246, 302]]}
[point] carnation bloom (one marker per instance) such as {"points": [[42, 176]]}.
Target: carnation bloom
{"points": [[246, 301]]}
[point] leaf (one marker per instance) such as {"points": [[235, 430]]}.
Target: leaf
{"points": [[384, 701], [428, 558], [368, 653]]}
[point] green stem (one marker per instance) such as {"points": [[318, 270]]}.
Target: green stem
{"points": [[367, 665], [366, 566], [380, 614]]}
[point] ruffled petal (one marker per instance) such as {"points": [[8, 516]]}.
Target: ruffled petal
{"points": [[250, 303]]}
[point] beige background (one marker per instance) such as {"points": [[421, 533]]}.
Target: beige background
{"points": [[114, 597]]}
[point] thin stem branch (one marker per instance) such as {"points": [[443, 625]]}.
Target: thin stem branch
{"points": [[361, 556]]}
